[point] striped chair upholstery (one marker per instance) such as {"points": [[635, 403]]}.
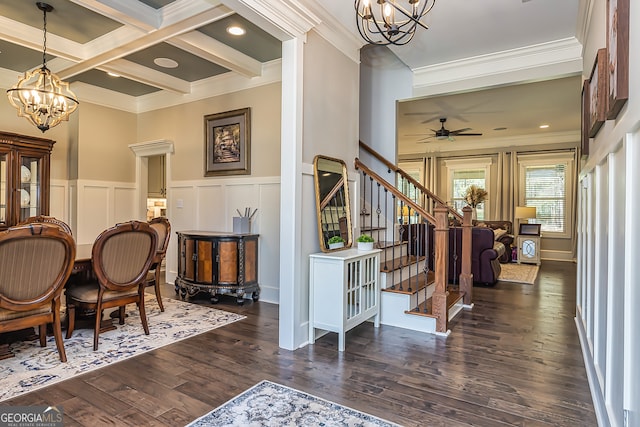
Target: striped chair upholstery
{"points": [[121, 257], [162, 227], [35, 263]]}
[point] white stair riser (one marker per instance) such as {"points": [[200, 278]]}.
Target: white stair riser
{"points": [[391, 251], [392, 313]]}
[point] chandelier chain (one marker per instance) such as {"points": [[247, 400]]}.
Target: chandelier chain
{"points": [[44, 39]]}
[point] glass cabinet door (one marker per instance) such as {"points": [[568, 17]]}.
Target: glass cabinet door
{"points": [[30, 187], [4, 188]]}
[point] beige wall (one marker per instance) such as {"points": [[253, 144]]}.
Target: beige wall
{"points": [[103, 150], [184, 125], [331, 87]]}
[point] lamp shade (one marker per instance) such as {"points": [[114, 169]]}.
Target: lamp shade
{"points": [[525, 212]]}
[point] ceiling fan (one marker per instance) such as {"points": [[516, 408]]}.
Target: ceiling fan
{"points": [[443, 133]]}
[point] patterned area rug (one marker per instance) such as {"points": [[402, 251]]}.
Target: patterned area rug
{"points": [[35, 367], [271, 404], [519, 273]]}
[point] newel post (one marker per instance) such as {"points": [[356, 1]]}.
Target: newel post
{"points": [[466, 277], [439, 297]]}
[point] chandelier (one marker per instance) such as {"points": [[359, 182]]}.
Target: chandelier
{"points": [[389, 22], [40, 96]]}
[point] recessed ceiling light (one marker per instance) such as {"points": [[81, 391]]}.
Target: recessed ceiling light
{"points": [[544, 126], [235, 30], [500, 128], [165, 63], [109, 73]]}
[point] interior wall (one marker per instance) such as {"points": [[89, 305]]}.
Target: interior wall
{"points": [[104, 135], [611, 342], [196, 202], [184, 125], [384, 80], [330, 88]]}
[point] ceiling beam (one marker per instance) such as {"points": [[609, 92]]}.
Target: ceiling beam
{"points": [[132, 13], [212, 50], [148, 76], [188, 24]]}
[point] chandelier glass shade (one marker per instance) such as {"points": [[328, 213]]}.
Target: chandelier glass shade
{"points": [[388, 21], [39, 95]]}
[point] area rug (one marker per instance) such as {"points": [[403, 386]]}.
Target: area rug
{"points": [[35, 367], [519, 273], [271, 404]]}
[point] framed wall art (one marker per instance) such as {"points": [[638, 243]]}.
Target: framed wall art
{"points": [[597, 90], [617, 56], [228, 143], [585, 119]]}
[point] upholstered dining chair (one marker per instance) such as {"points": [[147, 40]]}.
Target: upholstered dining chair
{"points": [[163, 228], [35, 263], [47, 220], [121, 257]]}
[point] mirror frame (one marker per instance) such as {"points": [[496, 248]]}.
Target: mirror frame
{"points": [[347, 204]]}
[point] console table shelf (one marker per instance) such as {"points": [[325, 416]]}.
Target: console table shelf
{"points": [[344, 291]]}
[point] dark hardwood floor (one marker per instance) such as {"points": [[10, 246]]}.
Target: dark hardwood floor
{"points": [[515, 359]]}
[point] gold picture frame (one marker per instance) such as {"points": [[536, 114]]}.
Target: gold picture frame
{"points": [[228, 143]]}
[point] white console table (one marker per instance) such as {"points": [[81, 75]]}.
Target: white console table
{"points": [[344, 291]]}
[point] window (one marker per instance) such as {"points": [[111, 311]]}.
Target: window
{"points": [[545, 183], [414, 170], [465, 172], [461, 180]]}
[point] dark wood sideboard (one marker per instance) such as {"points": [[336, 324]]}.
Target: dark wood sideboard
{"points": [[218, 263]]}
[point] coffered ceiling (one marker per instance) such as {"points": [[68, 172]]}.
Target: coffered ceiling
{"points": [[150, 45]]}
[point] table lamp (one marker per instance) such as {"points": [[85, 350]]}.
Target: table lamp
{"points": [[524, 212]]}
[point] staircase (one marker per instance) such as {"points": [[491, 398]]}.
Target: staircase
{"points": [[415, 293]]}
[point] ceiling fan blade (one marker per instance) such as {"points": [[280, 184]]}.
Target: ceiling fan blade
{"points": [[424, 140], [467, 134], [459, 130]]}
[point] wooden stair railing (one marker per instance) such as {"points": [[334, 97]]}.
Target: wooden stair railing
{"points": [[421, 197], [440, 220], [424, 193]]}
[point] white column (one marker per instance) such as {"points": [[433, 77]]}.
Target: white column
{"points": [[291, 194]]}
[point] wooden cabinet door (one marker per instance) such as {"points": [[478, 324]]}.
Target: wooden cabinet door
{"points": [[228, 262]]}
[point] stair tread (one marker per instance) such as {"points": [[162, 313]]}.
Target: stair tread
{"points": [[363, 229], [399, 262], [423, 280], [426, 309], [388, 244]]}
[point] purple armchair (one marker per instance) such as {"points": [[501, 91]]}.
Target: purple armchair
{"points": [[485, 251], [485, 255]]}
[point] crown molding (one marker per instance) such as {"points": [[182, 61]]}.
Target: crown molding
{"points": [[536, 62], [548, 139], [339, 36], [214, 86]]}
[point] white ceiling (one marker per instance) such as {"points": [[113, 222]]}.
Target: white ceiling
{"points": [[460, 30]]}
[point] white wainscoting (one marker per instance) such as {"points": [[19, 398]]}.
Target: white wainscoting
{"points": [[211, 204], [93, 206], [97, 205]]}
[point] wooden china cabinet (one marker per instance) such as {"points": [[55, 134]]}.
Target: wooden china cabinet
{"points": [[24, 177]]}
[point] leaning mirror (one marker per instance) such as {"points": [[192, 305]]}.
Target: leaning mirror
{"points": [[332, 203]]}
